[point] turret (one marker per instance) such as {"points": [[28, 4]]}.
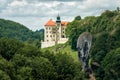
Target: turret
{"points": [[58, 21]]}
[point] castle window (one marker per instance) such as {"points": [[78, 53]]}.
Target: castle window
{"points": [[46, 31], [49, 28], [63, 32], [46, 28], [50, 35], [63, 36], [47, 35], [47, 40]]}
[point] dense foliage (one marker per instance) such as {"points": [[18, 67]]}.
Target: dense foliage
{"points": [[108, 21], [105, 59], [25, 62], [15, 30]]}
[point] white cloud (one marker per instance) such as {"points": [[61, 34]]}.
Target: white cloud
{"points": [[34, 13], [18, 3]]}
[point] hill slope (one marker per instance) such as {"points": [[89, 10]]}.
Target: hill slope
{"points": [[18, 31], [108, 21], [105, 50]]}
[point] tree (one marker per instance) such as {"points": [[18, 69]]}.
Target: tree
{"points": [[77, 18], [73, 30], [4, 76], [66, 68], [25, 73], [7, 70], [118, 9], [29, 51], [8, 47], [42, 69], [111, 64]]}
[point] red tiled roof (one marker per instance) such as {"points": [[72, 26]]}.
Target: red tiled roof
{"points": [[50, 23], [64, 23], [53, 23]]}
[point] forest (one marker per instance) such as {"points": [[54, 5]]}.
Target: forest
{"points": [[22, 61], [25, 62], [105, 50], [10, 29]]}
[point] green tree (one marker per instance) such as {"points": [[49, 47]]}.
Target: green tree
{"points": [[4, 76], [118, 9], [77, 18], [66, 67], [73, 32], [111, 64], [99, 47], [25, 73], [8, 47], [29, 51], [7, 69], [22, 67], [42, 69]]}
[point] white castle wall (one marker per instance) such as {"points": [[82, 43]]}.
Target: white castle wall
{"points": [[49, 44], [62, 40]]}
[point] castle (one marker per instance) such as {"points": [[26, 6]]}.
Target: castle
{"points": [[54, 33]]}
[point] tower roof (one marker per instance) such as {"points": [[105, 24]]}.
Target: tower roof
{"points": [[58, 19]]}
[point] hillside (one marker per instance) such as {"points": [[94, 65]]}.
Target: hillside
{"points": [[18, 31], [26, 62], [105, 50], [63, 48], [108, 21]]}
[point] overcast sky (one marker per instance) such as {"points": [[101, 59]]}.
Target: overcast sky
{"points": [[35, 13]]}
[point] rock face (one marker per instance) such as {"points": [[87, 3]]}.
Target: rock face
{"points": [[83, 45]]}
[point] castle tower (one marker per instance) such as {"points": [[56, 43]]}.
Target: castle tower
{"points": [[58, 21], [54, 32], [58, 29]]}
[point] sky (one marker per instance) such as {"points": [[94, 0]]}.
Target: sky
{"points": [[35, 13]]}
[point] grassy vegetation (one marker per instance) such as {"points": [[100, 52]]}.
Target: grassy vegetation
{"points": [[63, 48]]}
